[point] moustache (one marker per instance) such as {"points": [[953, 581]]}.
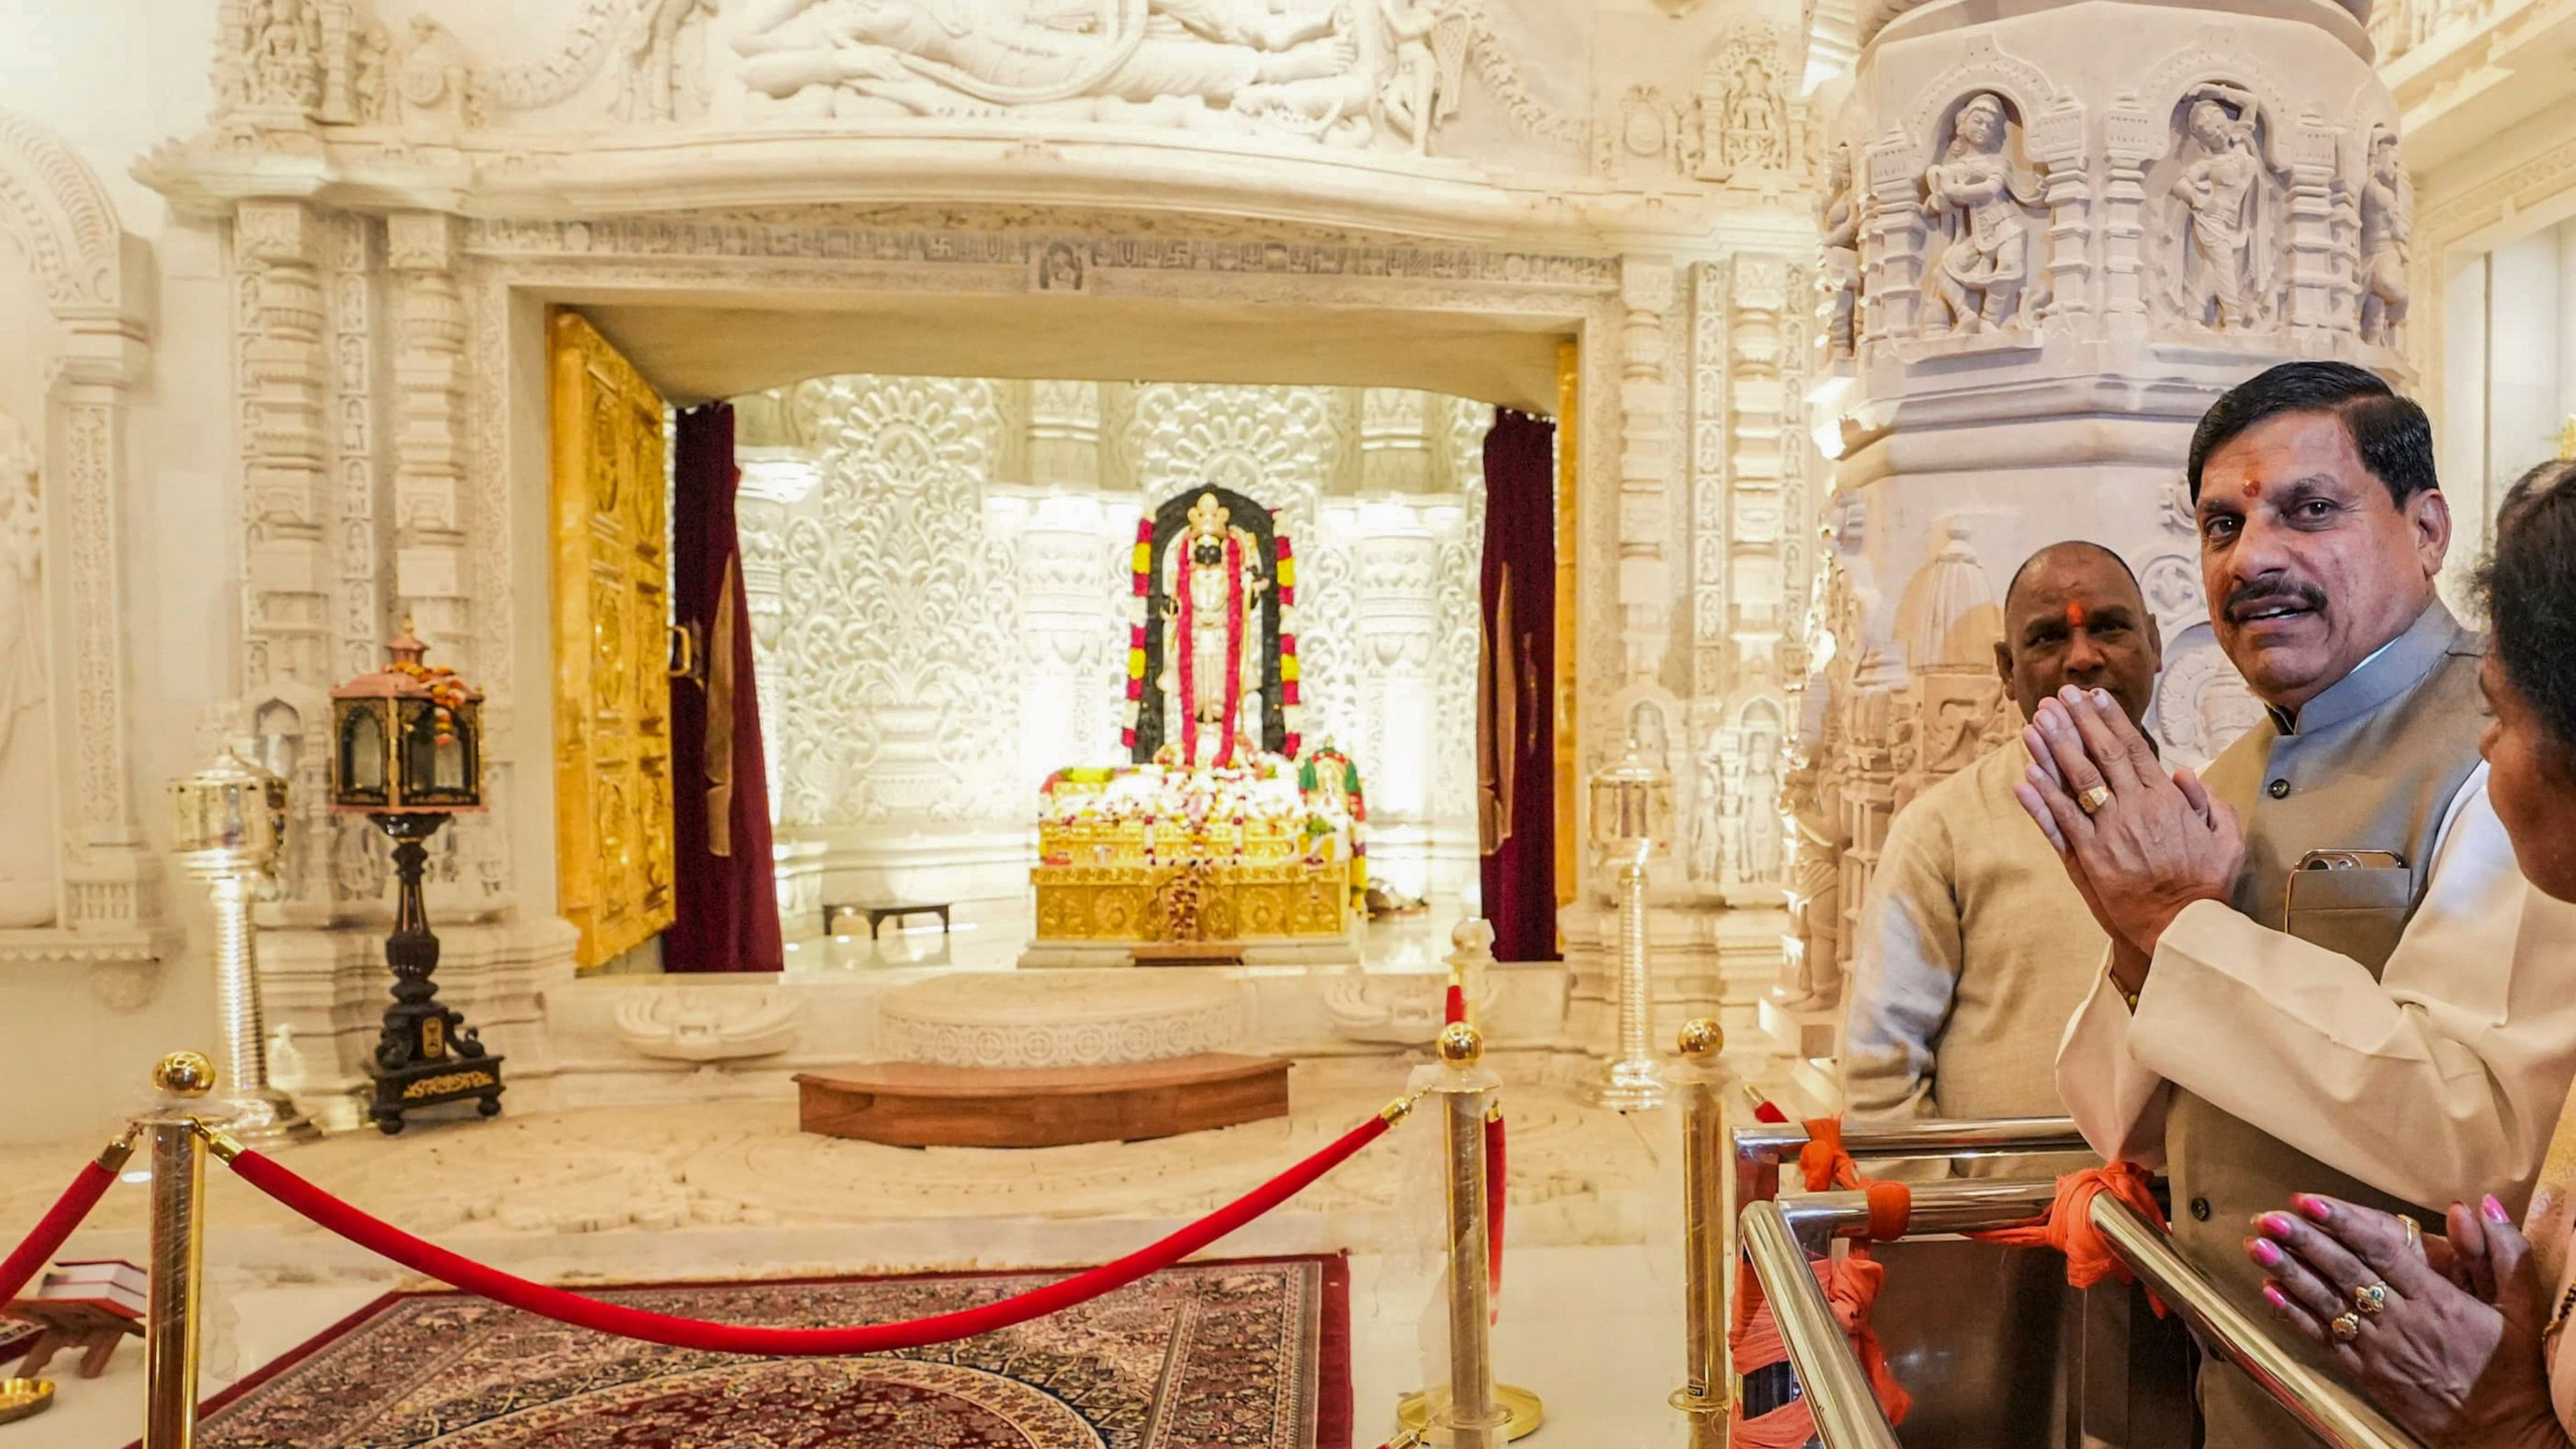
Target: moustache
{"points": [[2260, 594]]}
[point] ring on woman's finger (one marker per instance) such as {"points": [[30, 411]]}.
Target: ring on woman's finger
{"points": [[2345, 1328], [2414, 1234], [2371, 1299], [2094, 799]]}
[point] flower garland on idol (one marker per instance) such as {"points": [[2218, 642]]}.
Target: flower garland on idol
{"points": [[1140, 619]]}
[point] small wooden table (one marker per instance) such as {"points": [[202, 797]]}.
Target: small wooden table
{"points": [[71, 1323], [878, 915], [909, 1104]]}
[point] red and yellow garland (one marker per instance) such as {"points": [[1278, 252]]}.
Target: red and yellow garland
{"points": [[1139, 619]]}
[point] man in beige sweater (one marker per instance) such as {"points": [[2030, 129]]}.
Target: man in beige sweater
{"points": [[1973, 946]]}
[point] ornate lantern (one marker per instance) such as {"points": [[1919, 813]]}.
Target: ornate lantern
{"points": [[227, 822], [408, 737], [407, 752], [1632, 817]]}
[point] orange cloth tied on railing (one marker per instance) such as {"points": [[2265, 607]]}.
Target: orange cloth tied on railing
{"points": [[1851, 1286], [2069, 1229], [1828, 1167]]}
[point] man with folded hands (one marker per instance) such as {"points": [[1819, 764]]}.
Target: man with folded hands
{"points": [[2327, 974]]}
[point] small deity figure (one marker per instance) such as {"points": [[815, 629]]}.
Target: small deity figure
{"points": [[367, 74], [1757, 843], [1838, 222], [2387, 232], [2223, 279], [1978, 191], [1756, 135], [1211, 681], [281, 63], [1427, 41]]}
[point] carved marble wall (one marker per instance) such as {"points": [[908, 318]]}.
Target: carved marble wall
{"points": [[938, 571], [383, 197], [2061, 252]]}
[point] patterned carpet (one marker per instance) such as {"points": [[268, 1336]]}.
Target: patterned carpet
{"points": [[1250, 1354]]}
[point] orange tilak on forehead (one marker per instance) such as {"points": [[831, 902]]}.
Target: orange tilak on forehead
{"points": [[2075, 615]]}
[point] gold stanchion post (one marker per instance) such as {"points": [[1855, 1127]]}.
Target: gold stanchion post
{"points": [[1472, 1411], [1701, 1084], [1632, 813], [170, 1318]]}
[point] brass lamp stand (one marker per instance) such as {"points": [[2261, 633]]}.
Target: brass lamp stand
{"points": [[226, 824], [1632, 812]]}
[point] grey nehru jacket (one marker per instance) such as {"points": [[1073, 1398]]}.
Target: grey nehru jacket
{"points": [[2373, 763]]}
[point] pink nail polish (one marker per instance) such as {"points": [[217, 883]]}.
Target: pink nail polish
{"points": [[2315, 1207], [2266, 1254], [2272, 1295], [2494, 1210]]}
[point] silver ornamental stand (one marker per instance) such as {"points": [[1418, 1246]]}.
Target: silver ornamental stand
{"points": [[227, 821], [1632, 808]]}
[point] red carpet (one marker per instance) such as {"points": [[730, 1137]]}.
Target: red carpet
{"points": [[1246, 1354]]}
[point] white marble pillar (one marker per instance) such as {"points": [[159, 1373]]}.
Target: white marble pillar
{"points": [[2043, 323]]}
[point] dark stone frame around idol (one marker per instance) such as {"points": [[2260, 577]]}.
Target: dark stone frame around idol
{"points": [[1172, 520]]}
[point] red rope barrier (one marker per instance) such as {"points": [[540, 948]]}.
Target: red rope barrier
{"points": [[428, 1259], [87, 1187]]}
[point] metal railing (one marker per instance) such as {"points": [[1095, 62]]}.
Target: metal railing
{"points": [[1837, 1389], [1779, 1237]]}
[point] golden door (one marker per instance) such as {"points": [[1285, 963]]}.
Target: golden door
{"points": [[613, 859]]}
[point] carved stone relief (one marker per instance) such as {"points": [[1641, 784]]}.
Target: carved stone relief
{"points": [[2220, 252], [1984, 202], [27, 883], [1381, 74], [2387, 223]]}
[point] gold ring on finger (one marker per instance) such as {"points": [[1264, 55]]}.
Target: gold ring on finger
{"points": [[2371, 1299], [2094, 799], [2345, 1327]]}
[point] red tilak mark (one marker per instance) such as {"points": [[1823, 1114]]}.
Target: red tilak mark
{"points": [[2075, 616], [2253, 490]]}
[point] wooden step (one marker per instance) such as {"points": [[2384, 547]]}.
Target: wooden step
{"points": [[908, 1104]]}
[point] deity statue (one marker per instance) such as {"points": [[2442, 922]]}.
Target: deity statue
{"points": [[1838, 225], [2387, 231], [2224, 281], [1756, 845], [1213, 578], [1978, 191]]}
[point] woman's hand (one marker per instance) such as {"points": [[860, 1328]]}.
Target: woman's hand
{"points": [[2444, 1361]]}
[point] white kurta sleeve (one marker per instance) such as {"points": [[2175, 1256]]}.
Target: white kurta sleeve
{"points": [[1905, 974], [2441, 1079], [2118, 1102]]}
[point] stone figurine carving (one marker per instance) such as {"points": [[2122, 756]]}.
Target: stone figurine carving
{"points": [[1986, 204], [1838, 277], [26, 855], [2387, 235], [656, 87], [1346, 75], [1755, 843], [2221, 234]]}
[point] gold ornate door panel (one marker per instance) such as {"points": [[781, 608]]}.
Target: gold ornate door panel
{"points": [[613, 856]]}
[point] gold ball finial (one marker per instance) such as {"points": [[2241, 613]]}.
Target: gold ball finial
{"points": [[1460, 1044], [1702, 1038], [184, 1074]]}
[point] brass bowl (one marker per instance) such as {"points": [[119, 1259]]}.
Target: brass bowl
{"points": [[24, 1398]]}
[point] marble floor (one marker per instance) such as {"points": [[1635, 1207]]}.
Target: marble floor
{"points": [[732, 1189]]}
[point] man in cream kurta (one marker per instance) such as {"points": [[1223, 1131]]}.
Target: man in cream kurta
{"points": [[1973, 946], [2398, 1029]]}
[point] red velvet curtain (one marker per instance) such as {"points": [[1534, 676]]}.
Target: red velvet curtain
{"points": [[1519, 593], [727, 885]]}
